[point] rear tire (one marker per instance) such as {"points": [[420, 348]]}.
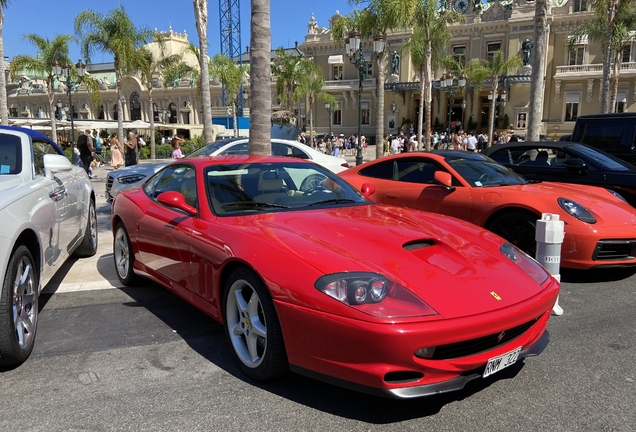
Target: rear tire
{"points": [[88, 247], [252, 326], [18, 308], [124, 257], [517, 227]]}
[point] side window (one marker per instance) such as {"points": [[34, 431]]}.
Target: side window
{"points": [[10, 154], [416, 171], [503, 156], [382, 170], [40, 148], [298, 153], [604, 135], [238, 149], [280, 149], [178, 178]]}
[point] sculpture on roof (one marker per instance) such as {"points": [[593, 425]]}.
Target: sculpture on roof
{"points": [[526, 47], [312, 25]]}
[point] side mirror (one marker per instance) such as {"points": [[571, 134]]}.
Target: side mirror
{"points": [[577, 165], [445, 179], [176, 200], [54, 163], [367, 190]]}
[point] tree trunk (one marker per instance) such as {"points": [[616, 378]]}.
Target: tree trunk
{"points": [[379, 127], [234, 120], [4, 109], [607, 55], [120, 109], [310, 116], [153, 144], [426, 96], [261, 112], [51, 96], [616, 66], [493, 107], [201, 17], [537, 78]]}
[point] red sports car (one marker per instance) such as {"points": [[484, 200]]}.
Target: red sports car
{"points": [[306, 274], [600, 227]]}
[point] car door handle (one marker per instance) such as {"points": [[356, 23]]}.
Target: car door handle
{"points": [[58, 193], [390, 195]]}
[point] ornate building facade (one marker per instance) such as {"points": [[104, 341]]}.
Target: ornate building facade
{"points": [[572, 84]]}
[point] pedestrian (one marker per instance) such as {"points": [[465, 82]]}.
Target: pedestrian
{"points": [[395, 145], [176, 147], [140, 140], [116, 152], [363, 143], [131, 157], [85, 147], [98, 143]]}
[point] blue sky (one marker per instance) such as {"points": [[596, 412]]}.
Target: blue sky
{"points": [[48, 19]]}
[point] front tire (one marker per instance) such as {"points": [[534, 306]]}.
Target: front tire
{"points": [[18, 308], [89, 244], [517, 227], [252, 326], [124, 256]]}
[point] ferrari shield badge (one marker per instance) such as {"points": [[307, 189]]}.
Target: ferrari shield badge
{"points": [[495, 295]]}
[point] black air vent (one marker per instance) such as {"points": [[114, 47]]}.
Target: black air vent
{"points": [[418, 244]]}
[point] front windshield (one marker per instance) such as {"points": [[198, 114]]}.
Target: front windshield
{"points": [[485, 173], [604, 159], [248, 188]]}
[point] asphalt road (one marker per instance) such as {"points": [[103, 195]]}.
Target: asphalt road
{"points": [[141, 359]]}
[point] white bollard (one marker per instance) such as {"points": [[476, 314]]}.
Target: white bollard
{"points": [[549, 236]]}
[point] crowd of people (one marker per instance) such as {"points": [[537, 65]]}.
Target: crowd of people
{"points": [[337, 145]]}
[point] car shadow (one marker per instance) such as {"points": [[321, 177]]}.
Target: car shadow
{"points": [[207, 337], [597, 275]]}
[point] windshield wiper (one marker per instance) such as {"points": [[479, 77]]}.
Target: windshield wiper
{"points": [[332, 201], [253, 204]]}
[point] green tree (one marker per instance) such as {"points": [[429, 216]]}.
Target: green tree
{"points": [[231, 76], [495, 68], [47, 53], [260, 52], [430, 38], [201, 18], [149, 66], [4, 109], [115, 34], [288, 71], [310, 86], [377, 18]]}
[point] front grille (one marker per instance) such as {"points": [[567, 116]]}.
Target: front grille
{"points": [[612, 250], [475, 346]]}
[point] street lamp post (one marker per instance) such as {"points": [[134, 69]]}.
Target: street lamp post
{"points": [[328, 108], [65, 72], [463, 108], [353, 48], [450, 84], [495, 99]]}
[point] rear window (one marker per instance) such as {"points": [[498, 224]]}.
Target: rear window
{"points": [[604, 135], [10, 154]]}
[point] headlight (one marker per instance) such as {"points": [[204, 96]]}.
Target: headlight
{"points": [[576, 210], [373, 294], [617, 195], [525, 262], [133, 178]]}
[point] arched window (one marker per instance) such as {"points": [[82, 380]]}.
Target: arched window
{"points": [[155, 112], [101, 113], [74, 111], [115, 114], [135, 107], [173, 113]]}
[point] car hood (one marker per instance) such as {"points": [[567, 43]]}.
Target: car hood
{"points": [[452, 265], [143, 168], [607, 208]]}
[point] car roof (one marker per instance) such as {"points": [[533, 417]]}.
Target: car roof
{"points": [[234, 159], [33, 134]]}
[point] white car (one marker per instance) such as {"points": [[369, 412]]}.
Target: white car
{"points": [[129, 177], [47, 209]]}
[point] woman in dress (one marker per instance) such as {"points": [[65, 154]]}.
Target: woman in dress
{"points": [[131, 157], [176, 147], [116, 157]]}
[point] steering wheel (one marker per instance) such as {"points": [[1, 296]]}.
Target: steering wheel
{"points": [[484, 177], [311, 182], [314, 189]]}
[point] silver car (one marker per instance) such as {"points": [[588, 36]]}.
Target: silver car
{"points": [[129, 177]]}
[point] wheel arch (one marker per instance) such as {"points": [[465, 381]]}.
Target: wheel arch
{"points": [[501, 211], [30, 239], [226, 272]]}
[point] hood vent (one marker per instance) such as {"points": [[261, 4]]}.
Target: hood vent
{"points": [[418, 244]]}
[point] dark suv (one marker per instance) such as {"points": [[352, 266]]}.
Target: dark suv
{"points": [[613, 133]]}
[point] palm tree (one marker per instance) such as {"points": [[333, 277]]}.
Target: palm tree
{"points": [[149, 66], [310, 85], [495, 68], [260, 52], [430, 38], [4, 109], [115, 34], [231, 76], [377, 18], [288, 71], [48, 53], [201, 17], [537, 87]]}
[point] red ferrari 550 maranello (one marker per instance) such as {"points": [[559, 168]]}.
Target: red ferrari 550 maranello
{"points": [[306, 274], [600, 227]]}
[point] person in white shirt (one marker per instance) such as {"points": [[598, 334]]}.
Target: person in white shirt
{"points": [[472, 142], [395, 145]]}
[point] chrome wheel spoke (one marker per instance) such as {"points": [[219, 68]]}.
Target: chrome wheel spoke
{"points": [[252, 346]]}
